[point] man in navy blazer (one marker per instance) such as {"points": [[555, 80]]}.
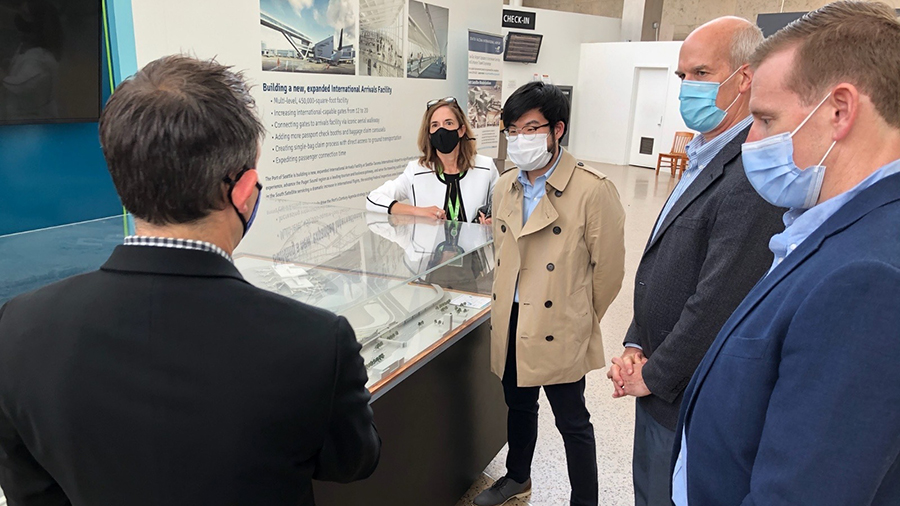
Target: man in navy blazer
{"points": [[798, 400]]}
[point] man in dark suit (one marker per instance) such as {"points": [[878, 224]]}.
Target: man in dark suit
{"points": [[707, 249], [164, 377], [798, 399]]}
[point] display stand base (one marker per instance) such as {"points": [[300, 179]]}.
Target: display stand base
{"points": [[440, 428]]}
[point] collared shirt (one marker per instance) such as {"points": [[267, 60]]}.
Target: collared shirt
{"points": [[801, 223], [532, 194], [171, 242], [700, 153]]}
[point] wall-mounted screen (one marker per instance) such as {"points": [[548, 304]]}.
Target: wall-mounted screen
{"points": [[49, 61], [522, 47]]}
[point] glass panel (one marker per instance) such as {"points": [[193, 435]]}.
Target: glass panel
{"points": [[36, 258], [405, 284]]}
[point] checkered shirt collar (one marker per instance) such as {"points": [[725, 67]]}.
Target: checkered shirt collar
{"points": [[171, 242]]}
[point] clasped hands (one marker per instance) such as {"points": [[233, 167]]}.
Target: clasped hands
{"points": [[626, 374]]}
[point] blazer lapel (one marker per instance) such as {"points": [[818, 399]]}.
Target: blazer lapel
{"points": [[882, 193], [707, 176]]}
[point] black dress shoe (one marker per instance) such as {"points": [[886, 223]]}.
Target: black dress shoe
{"points": [[502, 491]]}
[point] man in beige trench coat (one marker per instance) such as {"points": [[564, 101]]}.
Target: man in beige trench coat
{"points": [[560, 249]]}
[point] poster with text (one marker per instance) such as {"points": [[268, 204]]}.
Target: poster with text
{"points": [[485, 82], [329, 80]]}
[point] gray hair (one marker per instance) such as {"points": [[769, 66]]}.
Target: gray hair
{"points": [[743, 43], [173, 132]]}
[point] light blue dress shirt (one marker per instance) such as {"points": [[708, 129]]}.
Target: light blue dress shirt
{"points": [[700, 153], [531, 196], [800, 224]]}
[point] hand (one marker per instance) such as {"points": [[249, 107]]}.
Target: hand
{"points": [[484, 219], [624, 365], [433, 212], [634, 383]]}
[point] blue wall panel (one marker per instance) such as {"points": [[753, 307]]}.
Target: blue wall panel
{"points": [[54, 174]]}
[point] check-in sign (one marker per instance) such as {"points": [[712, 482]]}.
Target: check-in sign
{"points": [[518, 19]]}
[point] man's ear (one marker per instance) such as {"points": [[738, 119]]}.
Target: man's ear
{"points": [[243, 191], [559, 129], [746, 74], [845, 100]]}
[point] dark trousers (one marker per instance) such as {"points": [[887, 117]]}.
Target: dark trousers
{"points": [[572, 420], [652, 460]]}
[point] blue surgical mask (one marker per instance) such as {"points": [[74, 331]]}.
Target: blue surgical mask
{"points": [[698, 104], [769, 165]]}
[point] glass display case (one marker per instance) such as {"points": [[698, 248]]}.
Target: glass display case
{"points": [[30, 260], [407, 285]]}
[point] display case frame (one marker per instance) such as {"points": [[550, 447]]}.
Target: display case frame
{"points": [[410, 287]]}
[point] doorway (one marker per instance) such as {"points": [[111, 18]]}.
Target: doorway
{"points": [[651, 90]]}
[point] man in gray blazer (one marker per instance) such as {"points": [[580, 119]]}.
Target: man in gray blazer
{"points": [[707, 250]]}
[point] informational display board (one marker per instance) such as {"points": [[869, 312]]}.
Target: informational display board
{"points": [[341, 85], [485, 90]]}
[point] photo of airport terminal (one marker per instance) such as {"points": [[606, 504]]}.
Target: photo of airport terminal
{"points": [[381, 38], [427, 41], [315, 36]]}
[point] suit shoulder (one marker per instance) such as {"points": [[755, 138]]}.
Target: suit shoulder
{"points": [[45, 295], [483, 162], [290, 308]]}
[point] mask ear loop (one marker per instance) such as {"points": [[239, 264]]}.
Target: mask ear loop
{"points": [[810, 115], [739, 93], [827, 153]]}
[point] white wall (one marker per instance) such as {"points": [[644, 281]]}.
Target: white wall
{"points": [[602, 120], [563, 33]]}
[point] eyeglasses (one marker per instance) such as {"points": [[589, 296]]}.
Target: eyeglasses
{"points": [[446, 100], [528, 133]]}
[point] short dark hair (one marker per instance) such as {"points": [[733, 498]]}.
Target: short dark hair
{"points": [[172, 132], [844, 41], [546, 98]]}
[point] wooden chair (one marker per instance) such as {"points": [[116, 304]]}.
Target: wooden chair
{"points": [[677, 159]]}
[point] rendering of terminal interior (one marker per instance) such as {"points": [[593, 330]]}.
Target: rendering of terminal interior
{"points": [[449, 252]]}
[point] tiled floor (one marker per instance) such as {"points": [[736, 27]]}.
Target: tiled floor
{"points": [[643, 195]]}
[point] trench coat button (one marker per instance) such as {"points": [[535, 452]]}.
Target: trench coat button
{"points": [[503, 228], [580, 164], [558, 193], [495, 296], [498, 262], [549, 338], [557, 230], [548, 303], [550, 267]]}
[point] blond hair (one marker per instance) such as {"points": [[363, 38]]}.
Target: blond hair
{"points": [[466, 156], [846, 41]]}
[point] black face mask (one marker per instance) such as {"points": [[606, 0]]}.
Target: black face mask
{"points": [[445, 140]]}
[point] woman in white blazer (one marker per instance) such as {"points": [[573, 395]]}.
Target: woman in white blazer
{"points": [[449, 181]]}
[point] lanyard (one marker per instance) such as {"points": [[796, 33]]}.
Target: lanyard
{"points": [[454, 210]]}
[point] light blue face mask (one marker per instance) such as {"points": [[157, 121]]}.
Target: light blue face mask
{"points": [[769, 165], [698, 104]]}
